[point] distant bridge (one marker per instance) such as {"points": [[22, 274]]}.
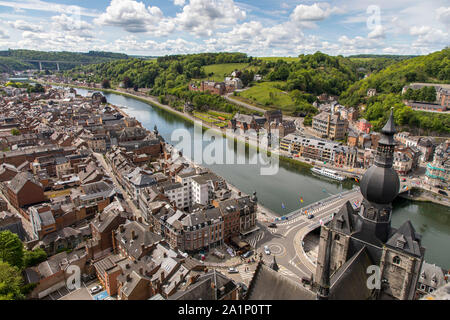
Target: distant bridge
{"points": [[53, 61]]}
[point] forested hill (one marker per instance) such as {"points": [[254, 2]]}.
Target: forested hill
{"points": [[389, 83], [434, 67], [19, 59], [162, 74], [291, 85]]}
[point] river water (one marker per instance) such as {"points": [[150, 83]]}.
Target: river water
{"points": [[282, 192]]}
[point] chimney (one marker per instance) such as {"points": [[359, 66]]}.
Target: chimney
{"points": [[141, 271], [162, 277], [140, 219], [133, 234], [142, 247], [128, 278]]}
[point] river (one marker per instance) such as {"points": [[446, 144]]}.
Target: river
{"points": [[293, 182]]}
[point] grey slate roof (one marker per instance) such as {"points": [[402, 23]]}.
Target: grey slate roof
{"points": [[281, 288], [18, 182], [410, 238], [143, 237], [350, 281]]}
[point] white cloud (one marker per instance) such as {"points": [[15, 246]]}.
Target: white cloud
{"points": [[130, 15], [3, 35], [25, 26], [377, 33], [443, 15], [428, 37], [314, 12], [419, 31], [39, 5], [66, 23], [179, 2], [203, 17]]}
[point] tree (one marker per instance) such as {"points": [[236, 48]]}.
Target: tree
{"points": [[11, 249], [127, 83], [106, 84], [10, 282], [33, 258], [15, 132]]}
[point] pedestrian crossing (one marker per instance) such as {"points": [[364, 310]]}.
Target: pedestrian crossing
{"points": [[253, 240]]}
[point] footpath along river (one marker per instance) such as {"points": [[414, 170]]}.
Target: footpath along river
{"points": [[293, 182]]}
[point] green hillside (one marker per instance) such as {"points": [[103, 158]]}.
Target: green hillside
{"points": [[389, 83]]}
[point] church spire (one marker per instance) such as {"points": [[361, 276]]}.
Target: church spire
{"points": [[386, 145], [323, 292], [274, 265]]}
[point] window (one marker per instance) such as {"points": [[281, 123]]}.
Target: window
{"points": [[396, 260]]}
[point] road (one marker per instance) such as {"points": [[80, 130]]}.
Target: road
{"points": [[285, 241], [136, 212]]}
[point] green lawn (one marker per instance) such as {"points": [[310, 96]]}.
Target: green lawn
{"points": [[211, 117], [265, 95], [220, 71]]}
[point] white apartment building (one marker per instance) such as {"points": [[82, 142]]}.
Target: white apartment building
{"points": [[178, 194]]}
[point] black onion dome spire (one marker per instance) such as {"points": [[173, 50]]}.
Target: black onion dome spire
{"points": [[380, 184]]}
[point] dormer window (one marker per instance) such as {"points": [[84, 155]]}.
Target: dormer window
{"points": [[401, 241]]}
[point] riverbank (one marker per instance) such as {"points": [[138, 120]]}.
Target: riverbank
{"points": [[425, 196], [205, 126], [152, 101]]}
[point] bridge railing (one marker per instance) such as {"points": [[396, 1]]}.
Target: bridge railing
{"points": [[308, 207]]}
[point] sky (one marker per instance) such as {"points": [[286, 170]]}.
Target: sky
{"points": [[259, 28]]}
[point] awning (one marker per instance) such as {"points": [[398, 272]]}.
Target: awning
{"points": [[243, 233]]}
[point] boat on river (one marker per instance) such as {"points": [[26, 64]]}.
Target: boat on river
{"points": [[328, 173]]}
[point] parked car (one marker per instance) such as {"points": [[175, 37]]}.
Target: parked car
{"points": [[247, 254], [233, 270], [273, 225], [443, 193], [310, 216], [96, 289], [267, 250]]}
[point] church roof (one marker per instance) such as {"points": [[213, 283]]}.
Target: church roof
{"points": [[410, 240], [342, 220], [350, 281], [380, 185], [389, 127], [281, 288]]}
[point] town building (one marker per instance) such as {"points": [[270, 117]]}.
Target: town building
{"points": [[431, 278], [330, 126]]}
